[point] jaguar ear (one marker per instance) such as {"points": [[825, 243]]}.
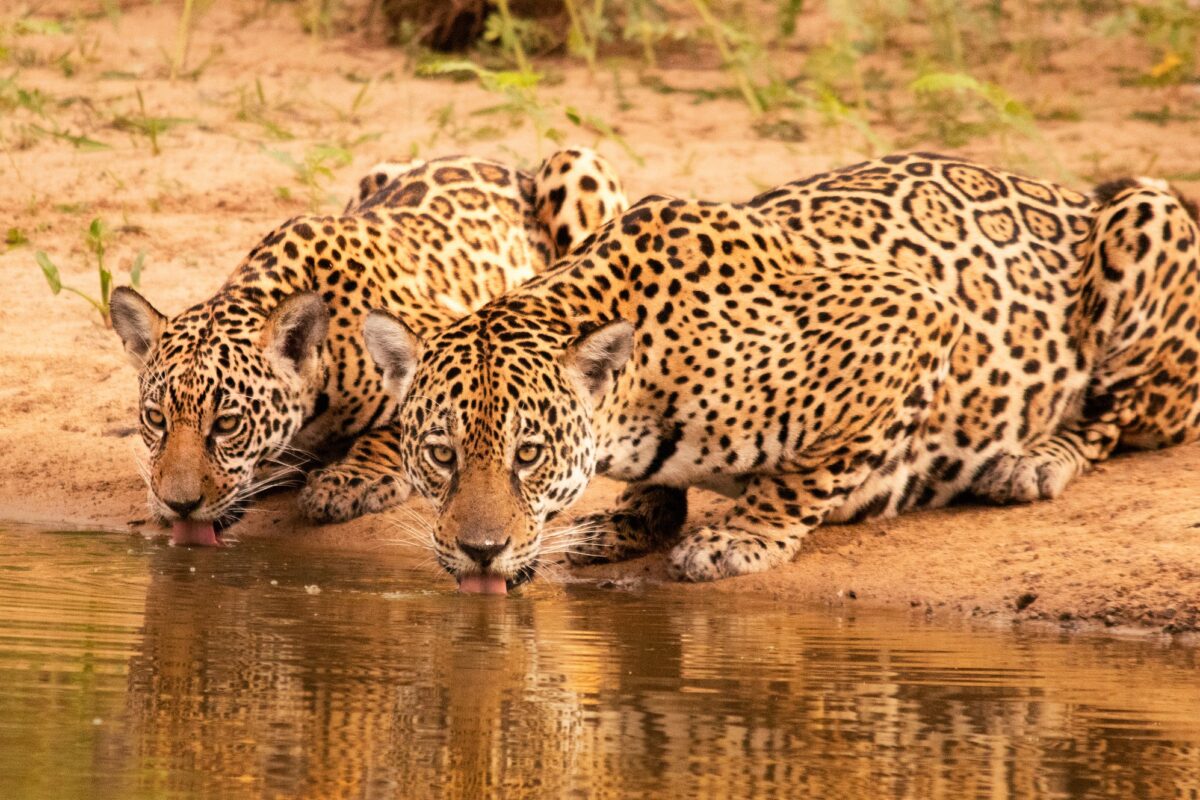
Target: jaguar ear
{"points": [[294, 333], [601, 352], [138, 323], [395, 348]]}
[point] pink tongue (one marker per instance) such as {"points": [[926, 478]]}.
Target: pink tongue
{"points": [[482, 584], [187, 531]]}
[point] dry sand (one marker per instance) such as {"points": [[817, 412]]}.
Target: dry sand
{"points": [[1120, 549]]}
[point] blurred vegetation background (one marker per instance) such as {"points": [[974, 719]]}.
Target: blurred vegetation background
{"points": [[884, 74], [894, 71], [899, 73]]}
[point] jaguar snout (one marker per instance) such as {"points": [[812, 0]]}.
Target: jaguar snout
{"points": [[484, 551], [183, 508]]}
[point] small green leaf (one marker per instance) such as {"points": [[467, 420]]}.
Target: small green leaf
{"points": [[15, 237], [84, 143], [135, 272], [511, 79], [105, 287], [436, 66], [39, 26], [321, 153], [50, 271], [81, 142], [789, 10], [96, 234]]}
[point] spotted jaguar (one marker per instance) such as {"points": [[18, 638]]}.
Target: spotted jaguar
{"points": [[270, 372], [885, 337]]}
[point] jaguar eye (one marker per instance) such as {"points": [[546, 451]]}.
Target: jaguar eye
{"points": [[155, 419], [440, 454], [226, 424], [528, 454]]}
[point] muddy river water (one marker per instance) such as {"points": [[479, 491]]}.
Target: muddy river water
{"points": [[131, 669]]}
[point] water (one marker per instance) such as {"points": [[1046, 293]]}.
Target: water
{"points": [[130, 669]]}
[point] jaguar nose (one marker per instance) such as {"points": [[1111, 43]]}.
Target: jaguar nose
{"points": [[184, 507], [484, 552]]}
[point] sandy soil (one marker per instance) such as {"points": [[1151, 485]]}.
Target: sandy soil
{"points": [[1121, 549]]}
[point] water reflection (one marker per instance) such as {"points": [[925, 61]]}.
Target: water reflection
{"points": [[215, 682]]}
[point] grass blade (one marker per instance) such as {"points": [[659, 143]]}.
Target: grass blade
{"points": [[50, 271]]}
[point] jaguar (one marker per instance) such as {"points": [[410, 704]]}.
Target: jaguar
{"points": [[270, 373], [884, 337]]}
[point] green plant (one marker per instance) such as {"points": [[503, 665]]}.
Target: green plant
{"points": [[786, 14], [1163, 116], [958, 106], [944, 18], [521, 103], [254, 107], [647, 23], [735, 52], [15, 237], [1171, 28], [512, 35], [34, 115], [782, 106], [183, 39], [96, 239], [145, 125], [11, 31], [14, 97], [357, 105], [838, 114], [77, 140], [642, 21], [313, 170], [517, 87], [604, 130], [36, 25], [580, 39], [319, 17], [177, 61]]}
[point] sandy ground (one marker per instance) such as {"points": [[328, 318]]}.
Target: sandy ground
{"points": [[1121, 549]]}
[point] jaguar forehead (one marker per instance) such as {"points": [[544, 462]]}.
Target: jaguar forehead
{"points": [[190, 387], [478, 381]]}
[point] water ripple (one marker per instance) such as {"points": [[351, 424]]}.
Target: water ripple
{"points": [[129, 669]]}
